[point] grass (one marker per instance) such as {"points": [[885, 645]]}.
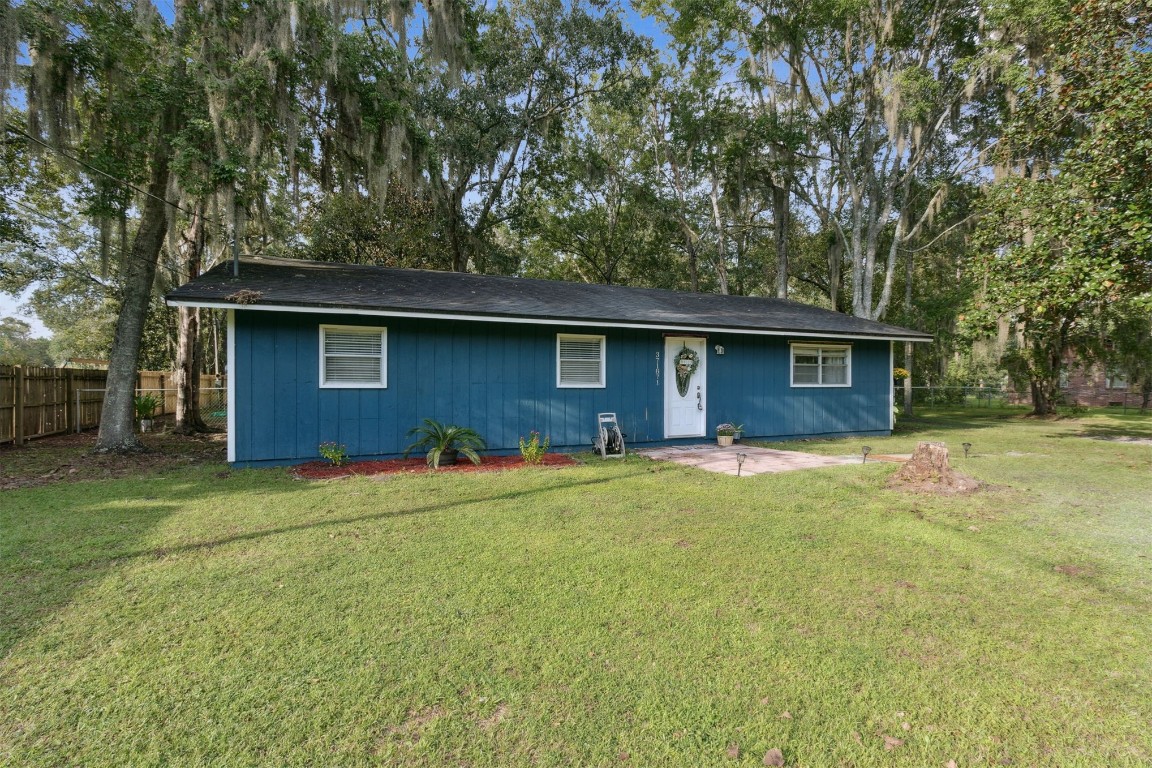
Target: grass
{"points": [[618, 613]]}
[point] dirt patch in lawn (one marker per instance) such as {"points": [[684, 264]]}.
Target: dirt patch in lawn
{"points": [[68, 458], [322, 470], [1121, 439], [412, 729]]}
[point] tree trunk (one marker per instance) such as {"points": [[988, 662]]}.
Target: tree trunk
{"points": [[189, 350], [117, 433], [721, 242], [930, 458], [1043, 395], [782, 215], [908, 380], [909, 273], [693, 260], [835, 256], [189, 362], [929, 470]]}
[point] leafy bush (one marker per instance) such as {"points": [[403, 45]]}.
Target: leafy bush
{"points": [[145, 405], [532, 449], [335, 453], [438, 438]]}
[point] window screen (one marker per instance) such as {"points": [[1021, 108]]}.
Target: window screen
{"points": [[352, 357], [580, 361], [821, 366]]}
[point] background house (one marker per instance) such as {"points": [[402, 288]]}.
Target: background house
{"points": [[358, 355]]}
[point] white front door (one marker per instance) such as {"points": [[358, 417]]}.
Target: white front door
{"points": [[685, 395]]}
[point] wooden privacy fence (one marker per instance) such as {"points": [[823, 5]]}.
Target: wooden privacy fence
{"points": [[37, 402]]}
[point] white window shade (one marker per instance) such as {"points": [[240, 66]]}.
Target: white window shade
{"points": [[580, 361], [353, 357], [821, 366]]}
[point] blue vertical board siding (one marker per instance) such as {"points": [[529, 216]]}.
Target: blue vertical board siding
{"points": [[500, 379], [284, 389]]}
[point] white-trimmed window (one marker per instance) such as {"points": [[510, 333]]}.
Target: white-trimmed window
{"points": [[821, 365], [1117, 380], [353, 357], [579, 360]]}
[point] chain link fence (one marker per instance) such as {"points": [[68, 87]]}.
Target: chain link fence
{"points": [[997, 397], [962, 397], [213, 405]]}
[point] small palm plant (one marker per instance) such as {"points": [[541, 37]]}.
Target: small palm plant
{"points": [[440, 440], [145, 405]]}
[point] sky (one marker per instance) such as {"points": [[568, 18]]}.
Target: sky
{"points": [[10, 307]]}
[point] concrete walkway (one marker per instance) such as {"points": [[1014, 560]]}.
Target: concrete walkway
{"points": [[757, 460]]}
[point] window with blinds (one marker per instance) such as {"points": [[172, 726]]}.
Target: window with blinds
{"points": [[821, 365], [353, 357], [579, 361]]}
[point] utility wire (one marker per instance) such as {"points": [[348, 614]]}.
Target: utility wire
{"points": [[75, 271], [124, 253], [13, 129], [223, 225]]}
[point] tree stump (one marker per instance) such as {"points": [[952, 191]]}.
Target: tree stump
{"points": [[929, 470]]}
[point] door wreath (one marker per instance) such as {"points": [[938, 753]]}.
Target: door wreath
{"points": [[687, 362]]}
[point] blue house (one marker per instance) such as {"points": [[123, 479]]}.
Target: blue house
{"points": [[359, 355]]}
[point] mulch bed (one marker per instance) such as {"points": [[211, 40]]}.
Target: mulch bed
{"points": [[322, 470]]}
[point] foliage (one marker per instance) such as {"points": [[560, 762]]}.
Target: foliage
{"points": [[145, 405], [398, 230], [438, 438], [533, 449], [728, 429], [336, 453], [533, 63], [1060, 248], [799, 149], [900, 373], [19, 347], [160, 119], [1130, 348], [1073, 409]]}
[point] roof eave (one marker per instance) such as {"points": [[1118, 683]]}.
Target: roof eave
{"points": [[214, 303]]}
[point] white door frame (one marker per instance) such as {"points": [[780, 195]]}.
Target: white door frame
{"points": [[672, 345]]}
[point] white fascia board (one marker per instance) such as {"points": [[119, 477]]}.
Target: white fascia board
{"points": [[525, 320], [891, 386], [230, 378]]}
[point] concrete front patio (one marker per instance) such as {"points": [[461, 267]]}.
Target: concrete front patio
{"points": [[757, 460]]}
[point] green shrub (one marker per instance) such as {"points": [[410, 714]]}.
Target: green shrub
{"points": [[438, 438], [335, 453], [532, 449]]}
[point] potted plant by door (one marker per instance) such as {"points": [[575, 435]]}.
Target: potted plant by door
{"points": [[145, 406], [726, 433], [445, 443]]}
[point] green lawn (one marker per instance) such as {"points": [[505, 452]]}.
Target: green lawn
{"points": [[618, 613]]}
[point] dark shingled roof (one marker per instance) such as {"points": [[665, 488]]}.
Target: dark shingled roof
{"points": [[310, 284]]}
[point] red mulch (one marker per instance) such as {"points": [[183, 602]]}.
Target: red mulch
{"points": [[322, 470]]}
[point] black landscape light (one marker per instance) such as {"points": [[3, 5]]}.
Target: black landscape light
{"points": [[867, 449], [967, 447], [740, 462]]}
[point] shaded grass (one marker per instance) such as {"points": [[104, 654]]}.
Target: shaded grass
{"points": [[569, 617]]}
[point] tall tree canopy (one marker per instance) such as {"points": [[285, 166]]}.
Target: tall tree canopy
{"points": [[1067, 243], [831, 151], [199, 114]]}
